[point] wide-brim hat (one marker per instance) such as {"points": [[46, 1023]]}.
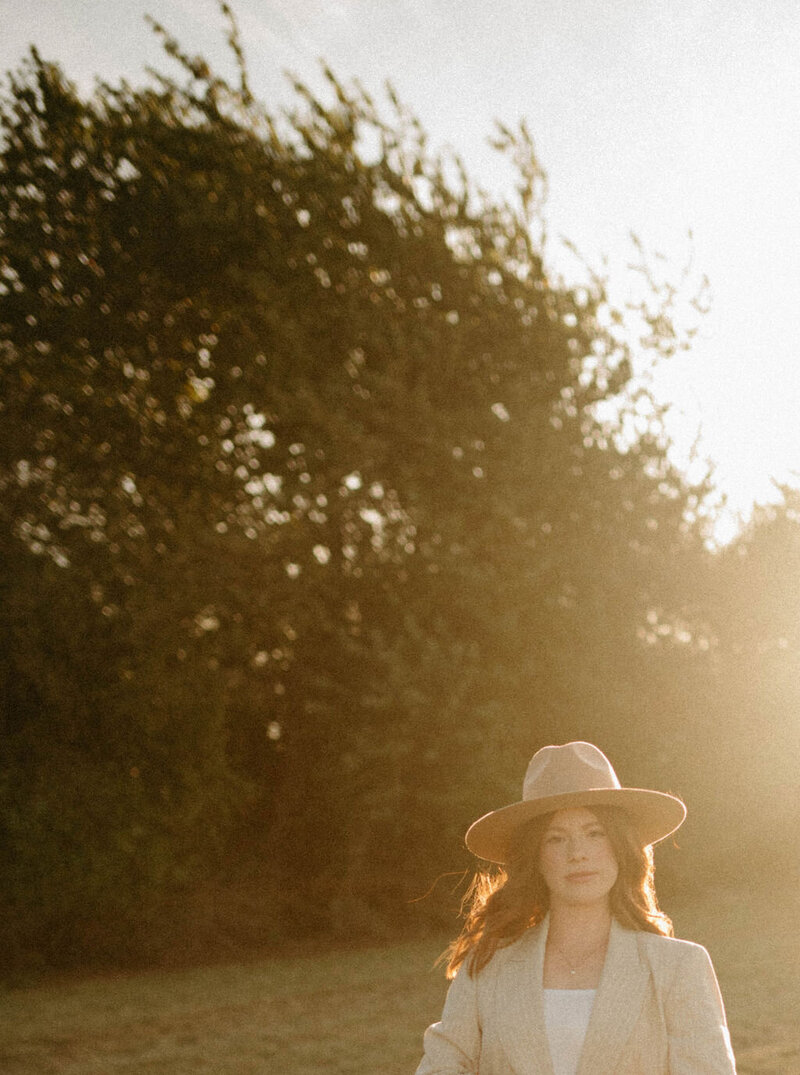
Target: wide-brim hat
{"points": [[574, 774]]}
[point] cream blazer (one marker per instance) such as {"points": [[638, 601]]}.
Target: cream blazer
{"points": [[657, 1011]]}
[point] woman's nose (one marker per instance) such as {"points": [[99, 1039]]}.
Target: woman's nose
{"points": [[576, 848]]}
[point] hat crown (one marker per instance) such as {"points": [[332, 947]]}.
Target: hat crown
{"points": [[562, 770]]}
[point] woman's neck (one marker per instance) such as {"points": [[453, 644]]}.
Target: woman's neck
{"points": [[589, 922], [575, 953]]}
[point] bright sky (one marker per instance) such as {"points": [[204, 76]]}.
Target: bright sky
{"points": [[648, 116]]}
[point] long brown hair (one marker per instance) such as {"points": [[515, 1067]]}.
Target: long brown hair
{"points": [[502, 903]]}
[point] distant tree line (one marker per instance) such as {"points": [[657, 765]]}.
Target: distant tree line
{"points": [[310, 530]]}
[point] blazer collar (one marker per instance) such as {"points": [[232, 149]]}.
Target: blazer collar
{"points": [[520, 1004], [618, 1002]]}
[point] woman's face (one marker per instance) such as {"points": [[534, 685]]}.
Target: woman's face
{"points": [[576, 859]]}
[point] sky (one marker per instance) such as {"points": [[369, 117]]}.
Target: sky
{"points": [[652, 118]]}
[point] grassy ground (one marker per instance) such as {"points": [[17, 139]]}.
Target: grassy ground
{"points": [[361, 1012]]}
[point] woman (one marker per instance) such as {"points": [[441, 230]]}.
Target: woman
{"points": [[566, 965]]}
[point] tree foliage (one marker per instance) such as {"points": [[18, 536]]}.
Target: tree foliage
{"points": [[310, 529]]}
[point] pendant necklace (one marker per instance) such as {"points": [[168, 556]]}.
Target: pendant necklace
{"points": [[573, 970]]}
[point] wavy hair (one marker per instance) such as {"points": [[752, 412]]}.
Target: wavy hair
{"points": [[501, 904]]}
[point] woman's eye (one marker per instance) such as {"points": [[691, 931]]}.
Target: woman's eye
{"points": [[597, 832]]}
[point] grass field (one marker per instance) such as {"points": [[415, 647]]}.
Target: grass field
{"points": [[363, 1012]]}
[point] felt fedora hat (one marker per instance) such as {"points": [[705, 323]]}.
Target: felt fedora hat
{"points": [[575, 774]]}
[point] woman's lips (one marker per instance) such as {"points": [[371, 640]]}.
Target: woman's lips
{"points": [[582, 875]]}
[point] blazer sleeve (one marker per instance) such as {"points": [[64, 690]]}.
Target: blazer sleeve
{"points": [[699, 1042], [453, 1045]]}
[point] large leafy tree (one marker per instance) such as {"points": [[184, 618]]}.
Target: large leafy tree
{"points": [[751, 688], [310, 529]]}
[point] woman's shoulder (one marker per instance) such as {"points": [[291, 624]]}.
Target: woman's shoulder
{"points": [[678, 945], [517, 950], [670, 950]]}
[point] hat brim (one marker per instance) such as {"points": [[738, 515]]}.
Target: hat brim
{"points": [[654, 814]]}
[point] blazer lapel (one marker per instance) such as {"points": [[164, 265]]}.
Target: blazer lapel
{"points": [[617, 1005], [520, 1005]]}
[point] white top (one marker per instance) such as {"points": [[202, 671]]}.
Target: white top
{"points": [[566, 1017]]}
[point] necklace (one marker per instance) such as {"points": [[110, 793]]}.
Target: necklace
{"points": [[574, 969]]}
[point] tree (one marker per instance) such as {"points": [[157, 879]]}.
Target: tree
{"points": [[752, 689], [305, 500]]}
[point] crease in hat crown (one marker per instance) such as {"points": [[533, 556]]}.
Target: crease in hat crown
{"points": [[573, 774], [561, 770]]}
